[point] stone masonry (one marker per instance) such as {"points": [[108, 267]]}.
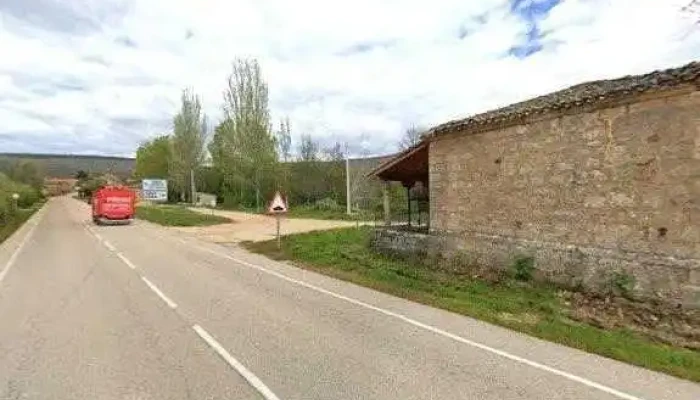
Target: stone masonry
{"points": [[588, 193]]}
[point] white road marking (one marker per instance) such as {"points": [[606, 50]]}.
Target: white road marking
{"points": [[235, 364], [160, 294], [97, 235], [108, 245], [15, 254], [430, 328], [126, 260]]}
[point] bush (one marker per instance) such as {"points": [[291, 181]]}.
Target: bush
{"points": [[523, 267], [28, 196]]}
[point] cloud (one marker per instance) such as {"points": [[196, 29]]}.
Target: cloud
{"points": [[101, 76]]}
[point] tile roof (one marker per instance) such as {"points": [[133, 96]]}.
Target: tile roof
{"points": [[588, 93]]}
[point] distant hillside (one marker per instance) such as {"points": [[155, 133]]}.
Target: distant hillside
{"points": [[66, 166]]}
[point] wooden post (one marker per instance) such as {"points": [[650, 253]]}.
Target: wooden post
{"points": [[408, 196], [387, 209]]}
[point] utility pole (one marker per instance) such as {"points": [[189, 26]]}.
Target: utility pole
{"points": [[347, 182]]}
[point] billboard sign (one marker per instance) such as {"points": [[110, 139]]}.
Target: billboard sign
{"points": [[154, 189]]}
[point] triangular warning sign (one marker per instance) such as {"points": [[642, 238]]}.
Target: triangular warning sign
{"points": [[277, 205]]}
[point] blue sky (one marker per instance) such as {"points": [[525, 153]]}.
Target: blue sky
{"points": [[100, 76]]}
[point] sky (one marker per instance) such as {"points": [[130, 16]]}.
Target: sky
{"points": [[102, 76]]}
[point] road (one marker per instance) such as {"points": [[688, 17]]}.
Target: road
{"points": [[141, 312]]}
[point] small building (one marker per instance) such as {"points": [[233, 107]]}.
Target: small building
{"points": [[594, 182]]}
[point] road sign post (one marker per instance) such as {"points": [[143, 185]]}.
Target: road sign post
{"points": [[278, 206], [279, 238], [15, 203]]}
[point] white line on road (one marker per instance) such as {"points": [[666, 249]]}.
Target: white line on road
{"points": [[19, 248], [108, 245], [97, 235], [235, 364], [430, 328], [160, 294], [126, 260]]}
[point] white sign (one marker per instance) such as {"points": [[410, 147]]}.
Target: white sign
{"points": [[154, 189], [277, 205]]}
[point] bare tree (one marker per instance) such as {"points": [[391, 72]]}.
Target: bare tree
{"points": [[308, 148], [411, 137]]}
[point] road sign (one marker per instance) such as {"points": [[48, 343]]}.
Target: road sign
{"points": [[154, 189], [277, 205]]}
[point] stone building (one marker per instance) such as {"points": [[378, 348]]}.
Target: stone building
{"points": [[596, 183]]}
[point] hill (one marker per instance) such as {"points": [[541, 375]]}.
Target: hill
{"points": [[66, 166]]}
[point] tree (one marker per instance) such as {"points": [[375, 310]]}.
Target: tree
{"points": [[334, 152], [335, 172], [308, 149], [88, 186], [81, 175], [27, 172], [284, 143], [153, 158], [284, 140], [244, 149], [308, 177], [187, 143], [411, 137]]}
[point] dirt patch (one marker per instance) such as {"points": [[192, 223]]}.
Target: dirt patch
{"points": [[671, 325], [256, 227], [525, 318]]}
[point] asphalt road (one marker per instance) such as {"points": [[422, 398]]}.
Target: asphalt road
{"points": [[140, 312]]}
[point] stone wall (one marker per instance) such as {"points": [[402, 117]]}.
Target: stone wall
{"points": [[586, 194], [395, 242]]}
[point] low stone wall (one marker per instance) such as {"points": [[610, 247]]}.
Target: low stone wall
{"points": [[402, 243], [649, 275]]}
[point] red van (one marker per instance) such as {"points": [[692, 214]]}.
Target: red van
{"points": [[113, 204]]}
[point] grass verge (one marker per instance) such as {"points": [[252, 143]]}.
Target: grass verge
{"points": [[329, 214], [310, 212], [177, 216], [16, 221], [534, 310]]}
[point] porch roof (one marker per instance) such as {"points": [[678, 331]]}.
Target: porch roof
{"points": [[409, 166]]}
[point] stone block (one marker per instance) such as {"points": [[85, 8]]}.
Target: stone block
{"points": [[690, 296], [621, 200], [595, 202]]}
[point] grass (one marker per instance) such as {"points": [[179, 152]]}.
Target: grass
{"points": [[310, 212], [534, 310], [330, 214], [177, 216], [16, 221]]}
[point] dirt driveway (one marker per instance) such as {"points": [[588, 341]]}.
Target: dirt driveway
{"points": [[255, 227]]}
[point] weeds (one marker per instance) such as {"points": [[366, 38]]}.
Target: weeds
{"points": [[523, 267], [621, 283]]}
